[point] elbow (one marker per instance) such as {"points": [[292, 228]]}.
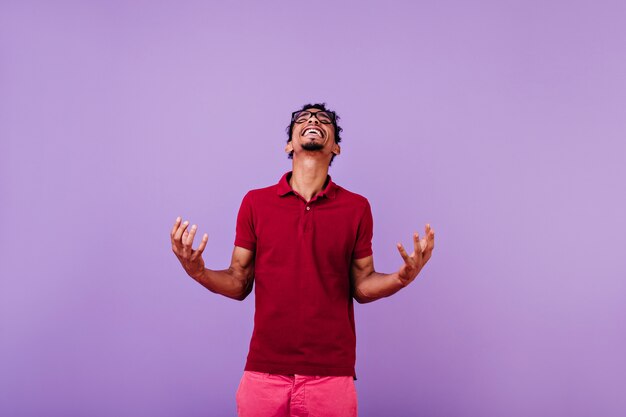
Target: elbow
{"points": [[239, 296], [360, 297], [246, 289], [361, 300], [242, 296]]}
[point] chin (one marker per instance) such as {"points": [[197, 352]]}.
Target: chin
{"points": [[312, 147]]}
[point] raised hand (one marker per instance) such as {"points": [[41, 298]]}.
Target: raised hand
{"points": [[182, 241], [422, 251]]}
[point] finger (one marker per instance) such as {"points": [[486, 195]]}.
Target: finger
{"points": [[179, 232], [205, 239], [430, 232], [424, 244], [431, 239], [403, 253], [175, 228], [191, 235], [417, 246]]}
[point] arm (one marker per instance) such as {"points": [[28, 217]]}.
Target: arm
{"points": [[369, 285], [235, 282]]}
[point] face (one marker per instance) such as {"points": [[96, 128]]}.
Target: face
{"points": [[311, 134]]}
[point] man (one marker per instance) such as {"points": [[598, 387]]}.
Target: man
{"points": [[307, 243]]}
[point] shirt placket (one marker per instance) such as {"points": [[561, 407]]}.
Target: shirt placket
{"points": [[306, 217]]}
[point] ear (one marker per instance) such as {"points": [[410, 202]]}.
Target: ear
{"points": [[289, 147], [336, 149]]}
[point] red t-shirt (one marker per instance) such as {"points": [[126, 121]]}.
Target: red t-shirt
{"points": [[304, 316]]}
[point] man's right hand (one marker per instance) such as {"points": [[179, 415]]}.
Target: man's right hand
{"points": [[182, 241]]}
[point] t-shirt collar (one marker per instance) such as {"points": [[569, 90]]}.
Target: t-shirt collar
{"points": [[284, 188]]}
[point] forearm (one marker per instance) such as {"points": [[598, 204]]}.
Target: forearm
{"points": [[226, 282], [377, 285]]}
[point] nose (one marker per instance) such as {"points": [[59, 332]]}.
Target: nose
{"points": [[313, 119]]}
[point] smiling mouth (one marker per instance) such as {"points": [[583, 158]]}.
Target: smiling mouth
{"points": [[313, 131]]}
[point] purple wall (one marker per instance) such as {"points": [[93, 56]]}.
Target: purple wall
{"points": [[501, 123]]}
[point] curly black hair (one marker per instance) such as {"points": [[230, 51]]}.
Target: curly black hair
{"points": [[319, 106]]}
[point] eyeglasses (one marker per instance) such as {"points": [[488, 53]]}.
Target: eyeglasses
{"points": [[326, 117]]}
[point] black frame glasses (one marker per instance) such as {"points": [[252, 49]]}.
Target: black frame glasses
{"points": [[302, 116]]}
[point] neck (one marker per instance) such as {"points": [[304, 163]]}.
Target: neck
{"points": [[308, 176]]}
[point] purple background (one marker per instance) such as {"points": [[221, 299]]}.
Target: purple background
{"points": [[501, 123]]}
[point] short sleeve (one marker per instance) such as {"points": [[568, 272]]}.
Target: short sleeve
{"points": [[245, 236], [363, 245]]}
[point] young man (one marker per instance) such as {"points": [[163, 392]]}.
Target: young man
{"points": [[306, 242]]}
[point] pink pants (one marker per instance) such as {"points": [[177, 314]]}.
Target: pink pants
{"points": [[272, 395]]}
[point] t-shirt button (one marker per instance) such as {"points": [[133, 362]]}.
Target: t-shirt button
{"points": [[308, 208]]}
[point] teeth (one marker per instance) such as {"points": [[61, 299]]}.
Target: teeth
{"points": [[306, 132]]}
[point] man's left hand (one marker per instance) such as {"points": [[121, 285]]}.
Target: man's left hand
{"points": [[422, 252]]}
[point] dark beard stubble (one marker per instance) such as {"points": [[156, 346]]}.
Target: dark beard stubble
{"points": [[312, 146]]}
